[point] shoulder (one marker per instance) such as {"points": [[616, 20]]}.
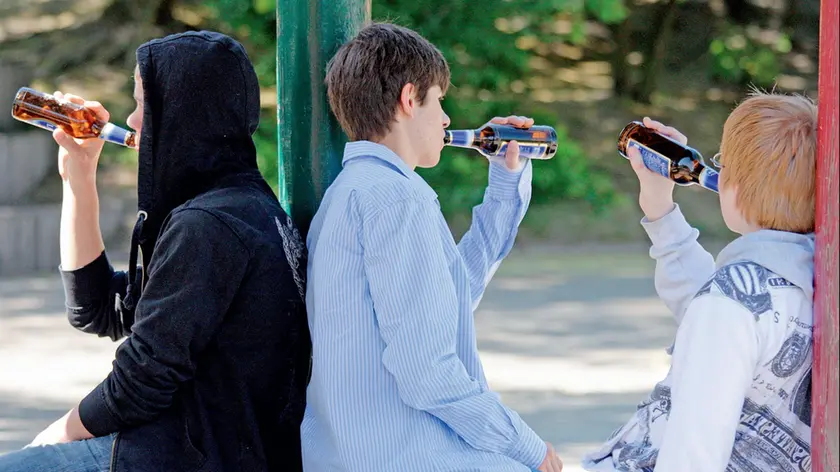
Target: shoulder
{"points": [[200, 225], [375, 190], [745, 283]]}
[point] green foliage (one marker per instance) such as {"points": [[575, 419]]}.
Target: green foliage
{"points": [[252, 22], [489, 71], [738, 58], [489, 67]]}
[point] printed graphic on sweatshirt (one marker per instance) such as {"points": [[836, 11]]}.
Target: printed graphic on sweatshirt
{"points": [[636, 457], [744, 282], [635, 452], [780, 282], [792, 355], [295, 252], [801, 399], [660, 402], [764, 443]]}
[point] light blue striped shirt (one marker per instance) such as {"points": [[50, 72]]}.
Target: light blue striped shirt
{"points": [[397, 384]]}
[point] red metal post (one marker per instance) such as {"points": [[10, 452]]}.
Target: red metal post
{"points": [[824, 447]]}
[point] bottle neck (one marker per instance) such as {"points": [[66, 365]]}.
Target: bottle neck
{"points": [[463, 138], [115, 134]]}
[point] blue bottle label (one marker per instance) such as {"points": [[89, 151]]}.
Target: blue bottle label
{"points": [[461, 138], [114, 134], [709, 179], [531, 151], [42, 124], [653, 160]]}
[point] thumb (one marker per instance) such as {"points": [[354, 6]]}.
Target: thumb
{"points": [[512, 156], [635, 159], [66, 141]]}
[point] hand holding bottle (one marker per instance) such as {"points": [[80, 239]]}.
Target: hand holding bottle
{"points": [[512, 159], [656, 193], [78, 158]]}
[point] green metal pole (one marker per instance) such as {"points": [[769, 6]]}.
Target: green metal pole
{"points": [[311, 142]]}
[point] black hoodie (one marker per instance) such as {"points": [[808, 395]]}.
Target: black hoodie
{"points": [[212, 373]]}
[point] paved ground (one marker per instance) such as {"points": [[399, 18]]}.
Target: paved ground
{"points": [[571, 339]]}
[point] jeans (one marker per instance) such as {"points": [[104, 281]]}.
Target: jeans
{"points": [[91, 455]]}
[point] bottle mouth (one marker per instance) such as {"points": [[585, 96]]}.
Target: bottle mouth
{"points": [[447, 137]]}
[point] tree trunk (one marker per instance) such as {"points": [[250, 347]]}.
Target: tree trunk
{"points": [[621, 38], [653, 60], [740, 11]]}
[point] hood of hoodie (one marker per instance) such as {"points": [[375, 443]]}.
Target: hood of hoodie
{"points": [[201, 108], [789, 255]]}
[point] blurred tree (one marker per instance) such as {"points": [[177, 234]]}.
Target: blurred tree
{"points": [[110, 38]]}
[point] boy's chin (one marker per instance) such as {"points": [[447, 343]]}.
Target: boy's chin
{"points": [[429, 162]]}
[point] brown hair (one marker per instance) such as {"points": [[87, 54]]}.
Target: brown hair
{"points": [[367, 74], [768, 151]]}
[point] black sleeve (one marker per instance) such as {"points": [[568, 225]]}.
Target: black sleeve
{"points": [[196, 270], [92, 295]]}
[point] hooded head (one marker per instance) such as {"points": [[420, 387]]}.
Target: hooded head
{"points": [[198, 109]]}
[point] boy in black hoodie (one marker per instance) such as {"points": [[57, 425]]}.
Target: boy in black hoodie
{"points": [[212, 373]]}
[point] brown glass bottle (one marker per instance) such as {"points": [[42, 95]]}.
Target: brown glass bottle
{"points": [[47, 112], [536, 142], [666, 157]]}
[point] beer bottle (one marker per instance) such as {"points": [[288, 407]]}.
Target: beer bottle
{"points": [[536, 142], [47, 112], [666, 157]]}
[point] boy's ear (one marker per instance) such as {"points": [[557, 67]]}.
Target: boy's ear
{"points": [[408, 100]]}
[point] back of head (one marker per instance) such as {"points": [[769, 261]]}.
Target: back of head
{"points": [[201, 107], [768, 151], [366, 75]]}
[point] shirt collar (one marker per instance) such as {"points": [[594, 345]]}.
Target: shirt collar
{"points": [[355, 149]]}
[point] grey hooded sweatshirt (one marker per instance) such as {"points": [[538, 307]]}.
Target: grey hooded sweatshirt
{"points": [[737, 397]]}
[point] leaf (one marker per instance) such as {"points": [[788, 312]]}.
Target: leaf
{"points": [[264, 6]]}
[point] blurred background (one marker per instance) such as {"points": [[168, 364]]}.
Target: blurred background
{"points": [[571, 331], [584, 66]]}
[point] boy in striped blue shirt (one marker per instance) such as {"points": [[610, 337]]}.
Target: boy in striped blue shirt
{"points": [[397, 384]]}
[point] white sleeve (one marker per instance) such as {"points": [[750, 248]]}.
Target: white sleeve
{"points": [[714, 359], [682, 265]]}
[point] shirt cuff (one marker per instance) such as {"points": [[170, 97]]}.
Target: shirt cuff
{"points": [[670, 229], [529, 449], [81, 286], [95, 414], [506, 184]]}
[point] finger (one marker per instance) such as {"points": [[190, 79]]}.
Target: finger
{"points": [[529, 122], [58, 95], [66, 141], [100, 110], [499, 120], [512, 155], [673, 133], [635, 158], [650, 123], [669, 131], [74, 99], [516, 121]]}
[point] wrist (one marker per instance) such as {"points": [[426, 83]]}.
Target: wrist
{"points": [[74, 429], [655, 208], [80, 188]]}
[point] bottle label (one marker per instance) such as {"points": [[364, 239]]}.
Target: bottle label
{"points": [[709, 179], [42, 124], [114, 134], [531, 151], [653, 160], [461, 138]]}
